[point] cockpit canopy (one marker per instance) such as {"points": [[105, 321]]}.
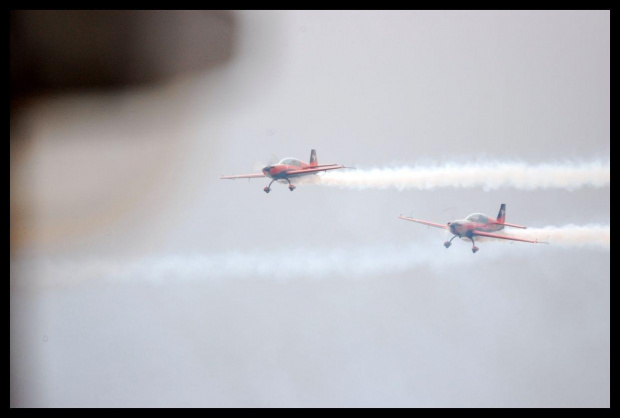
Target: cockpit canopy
{"points": [[478, 217], [291, 161]]}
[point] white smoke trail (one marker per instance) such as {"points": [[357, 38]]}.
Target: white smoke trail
{"points": [[489, 176], [568, 235], [279, 265], [290, 264]]}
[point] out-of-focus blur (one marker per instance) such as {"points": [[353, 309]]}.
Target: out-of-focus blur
{"points": [[99, 115], [59, 51], [99, 91], [138, 278]]}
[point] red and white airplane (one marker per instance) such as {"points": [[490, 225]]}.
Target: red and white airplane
{"points": [[476, 225], [288, 168]]}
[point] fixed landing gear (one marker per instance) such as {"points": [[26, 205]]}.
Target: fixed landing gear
{"points": [[291, 187], [447, 244], [474, 249], [268, 188]]}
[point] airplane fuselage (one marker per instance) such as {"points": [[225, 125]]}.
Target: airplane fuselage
{"points": [[280, 171], [464, 228]]}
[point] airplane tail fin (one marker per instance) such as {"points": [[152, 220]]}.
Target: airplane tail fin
{"points": [[501, 216], [313, 159]]}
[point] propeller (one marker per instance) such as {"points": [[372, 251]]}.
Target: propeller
{"points": [[258, 165]]}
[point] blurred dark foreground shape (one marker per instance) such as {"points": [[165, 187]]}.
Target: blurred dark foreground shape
{"points": [[54, 51], [70, 71], [92, 136]]}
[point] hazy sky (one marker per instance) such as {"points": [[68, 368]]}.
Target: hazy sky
{"points": [[139, 278]]}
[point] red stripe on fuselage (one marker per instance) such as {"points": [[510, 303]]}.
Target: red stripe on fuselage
{"points": [[280, 171], [466, 228]]}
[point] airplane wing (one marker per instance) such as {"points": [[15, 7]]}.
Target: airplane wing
{"points": [[514, 226], [243, 176], [326, 165], [487, 234], [424, 222], [314, 169], [508, 224]]}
